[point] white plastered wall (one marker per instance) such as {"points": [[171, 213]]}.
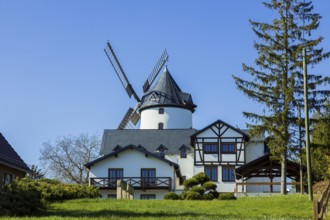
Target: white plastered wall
{"points": [[173, 118]]}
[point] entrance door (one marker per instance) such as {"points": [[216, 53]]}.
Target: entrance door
{"points": [[148, 177]]}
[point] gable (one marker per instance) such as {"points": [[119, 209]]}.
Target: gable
{"points": [[220, 129], [9, 157]]}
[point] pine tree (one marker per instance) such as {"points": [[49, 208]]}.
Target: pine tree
{"points": [[276, 83], [321, 144]]}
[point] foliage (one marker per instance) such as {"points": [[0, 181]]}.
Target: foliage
{"points": [[227, 196], [320, 150], [208, 196], [201, 185], [188, 183], [209, 185], [36, 173], [277, 81], [198, 189], [201, 178], [27, 196], [192, 195], [171, 196], [66, 158]]}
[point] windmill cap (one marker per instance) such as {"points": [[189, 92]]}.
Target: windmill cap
{"points": [[167, 93]]}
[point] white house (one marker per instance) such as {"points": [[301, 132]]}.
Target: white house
{"points": [[166, 150]]}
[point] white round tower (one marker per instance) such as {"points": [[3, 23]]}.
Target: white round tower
{"points": [[165, 106]]}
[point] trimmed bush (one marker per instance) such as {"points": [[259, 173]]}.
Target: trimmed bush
{"points": [[190, 183], [209, 185], [191, 195], [171, 196], [201, 178], [227, 196], [208, 196], [198, 189]]}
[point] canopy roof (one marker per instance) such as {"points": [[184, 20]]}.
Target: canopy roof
{"points": [[266, 167]]}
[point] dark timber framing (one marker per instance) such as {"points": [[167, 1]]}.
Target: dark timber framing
{"points": [[219, 128]]}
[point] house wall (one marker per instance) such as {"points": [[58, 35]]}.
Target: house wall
{"points": [[173, 118], [254, 150], [132, 161], [10, 170]]}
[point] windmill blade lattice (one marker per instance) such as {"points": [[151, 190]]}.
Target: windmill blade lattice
{"points": [[154, 72]]}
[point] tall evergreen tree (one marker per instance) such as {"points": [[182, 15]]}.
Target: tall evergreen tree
{"points": [[276, 82]]}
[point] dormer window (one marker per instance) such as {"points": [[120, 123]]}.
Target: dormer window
{"points": [[154, 97], [161, 111], [160, 126], [161, 149], [183, 153]]}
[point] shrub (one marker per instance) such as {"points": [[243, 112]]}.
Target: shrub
{"points": [[201, 178], [171, 196], [208, 196], [227, 196], [190, 183], [191, 195], [209, 185], [198, 189], [27, 196]]}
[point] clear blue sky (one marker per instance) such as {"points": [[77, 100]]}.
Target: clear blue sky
{"points": [[56, 80]]}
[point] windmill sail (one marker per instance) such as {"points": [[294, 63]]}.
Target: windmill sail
{"points": [[154, 72], [120, 72], [126, 119]]}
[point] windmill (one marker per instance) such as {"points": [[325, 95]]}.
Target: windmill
{"points": [[132, 115]]}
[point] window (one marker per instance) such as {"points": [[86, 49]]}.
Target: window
{"points": [[183, 153], [147, 196], [154, 98], [7, 178], [112, 196], [210, 148], [161, 111], [160, 126], [114, 174], [211, 172], [148, 177], [228, 148], [228, 174]]}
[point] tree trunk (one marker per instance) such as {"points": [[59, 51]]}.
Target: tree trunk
{"points": [[283, 173]]}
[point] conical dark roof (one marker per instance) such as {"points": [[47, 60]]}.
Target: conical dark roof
{"points": [[166, 92], [9, 157]]}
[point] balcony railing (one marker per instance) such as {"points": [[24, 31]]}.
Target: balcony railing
{"points": [[136, 182]]}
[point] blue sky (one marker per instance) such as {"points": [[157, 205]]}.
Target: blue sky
{"points": [[56, 80]]}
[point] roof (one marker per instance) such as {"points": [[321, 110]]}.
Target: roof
{"points": [[9, 157], [264, 166], [138, 148], [247, 137], [150, 139], [166, 92]]}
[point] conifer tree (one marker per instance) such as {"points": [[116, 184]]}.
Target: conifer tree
{"points": [[276, 82]]}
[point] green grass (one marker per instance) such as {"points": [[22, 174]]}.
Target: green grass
{"points": [[275, 207]]}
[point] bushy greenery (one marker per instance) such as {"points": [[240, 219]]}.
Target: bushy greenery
{"points": [[171, 196], [27, 196], [188, 183], [227, 196], [192, 195], [199, 187]]}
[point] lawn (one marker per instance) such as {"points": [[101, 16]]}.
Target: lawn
{"points": [[275, 207]]}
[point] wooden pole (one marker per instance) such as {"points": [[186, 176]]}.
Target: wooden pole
{"points": [[309, 170]]}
